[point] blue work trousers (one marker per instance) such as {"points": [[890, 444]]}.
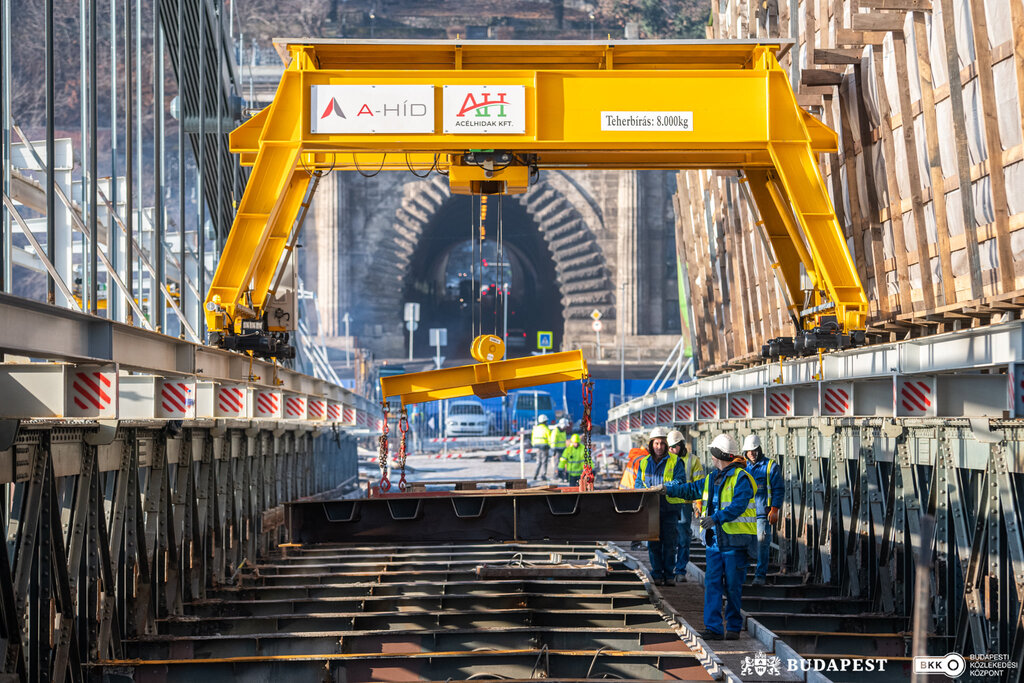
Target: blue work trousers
{"points": [[662, 553], [764, 546], [725, 571], [685, 537]]}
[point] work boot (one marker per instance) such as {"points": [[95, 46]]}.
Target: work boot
{"points": [[670, 581], [636, 545], [711, 635], [659, 582], [680, 578], [759, 581], [732, 635]]}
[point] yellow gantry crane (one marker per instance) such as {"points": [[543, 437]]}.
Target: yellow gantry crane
{"points": [[491, 115]]}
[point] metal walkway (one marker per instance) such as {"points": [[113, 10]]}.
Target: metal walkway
{"points": [[405, 612]]}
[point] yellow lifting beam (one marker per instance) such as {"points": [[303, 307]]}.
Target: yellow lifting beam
{"points": [[492, 114], [485, 379]]}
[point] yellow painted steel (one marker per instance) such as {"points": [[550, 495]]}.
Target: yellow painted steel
{"points": [[485, 380], [744, 116]]}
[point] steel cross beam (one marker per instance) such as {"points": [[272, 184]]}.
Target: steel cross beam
{"points": [[489, 114]]}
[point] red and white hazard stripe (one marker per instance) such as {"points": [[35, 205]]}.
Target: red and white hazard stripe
{"points": [[267, 403], [317, 409], [779, 404], [231, 400], [295, 407], [333, 411], [684, 412], [91, 390], [835, 401], [175, 398], [708, 410], [916, 397], [348, 415], [664, 414], [739, 407]]}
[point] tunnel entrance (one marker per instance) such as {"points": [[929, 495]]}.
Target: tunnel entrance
{"points": [[441, 278]]}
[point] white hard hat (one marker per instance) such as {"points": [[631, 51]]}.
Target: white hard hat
{"points": [[674, 437], [542, 418], [726, 444], [659, 432], [751, 443], [563, 422]]}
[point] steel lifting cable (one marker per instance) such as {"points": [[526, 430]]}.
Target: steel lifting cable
{"points": [[382, 451], [587, 476], [472, 264], [500, 251]]}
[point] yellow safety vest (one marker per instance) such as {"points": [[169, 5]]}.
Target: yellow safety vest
{"points": [[572, 460], [768, 482], [539, 437], [745, 523], [670, 468], [556, 438]]}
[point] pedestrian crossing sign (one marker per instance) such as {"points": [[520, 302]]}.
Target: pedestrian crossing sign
{"points": [[545, 340]]}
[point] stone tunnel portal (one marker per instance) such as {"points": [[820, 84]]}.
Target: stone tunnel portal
{"points": [[441, 278]]}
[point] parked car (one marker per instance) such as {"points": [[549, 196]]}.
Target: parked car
{"points": [[526, 406], [467, 417]]}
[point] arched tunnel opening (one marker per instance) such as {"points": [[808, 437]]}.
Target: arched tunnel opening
{"points": [[441, 279]]}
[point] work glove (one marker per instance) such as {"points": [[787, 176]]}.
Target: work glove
{"points": [[673, 489], [707, 522], [773, 515]]}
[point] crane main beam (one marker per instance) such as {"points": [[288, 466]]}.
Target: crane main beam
{"points": [[491, 115]]}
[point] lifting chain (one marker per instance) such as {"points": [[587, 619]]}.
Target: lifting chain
{"points": [[587, 477], [403, 429], [382, 451]]}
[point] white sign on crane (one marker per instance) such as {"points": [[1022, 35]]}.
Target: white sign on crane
{"points": [[371, 109], [484, 109]]}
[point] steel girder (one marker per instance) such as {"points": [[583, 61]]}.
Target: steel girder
{"points": [[485, 515], [109, 530]]}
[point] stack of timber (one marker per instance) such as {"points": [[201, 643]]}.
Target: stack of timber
{"points": [[928, 183]]}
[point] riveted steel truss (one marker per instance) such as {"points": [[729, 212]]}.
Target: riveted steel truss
{"points": [[858, 494], [110, 529]]}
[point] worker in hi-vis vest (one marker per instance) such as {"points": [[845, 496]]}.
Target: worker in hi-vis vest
{"points": [[729, 530], [556, 441], [692, 471], [661, 467], [637, 453], [770, 492], [572, 460], [539, 443]]}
